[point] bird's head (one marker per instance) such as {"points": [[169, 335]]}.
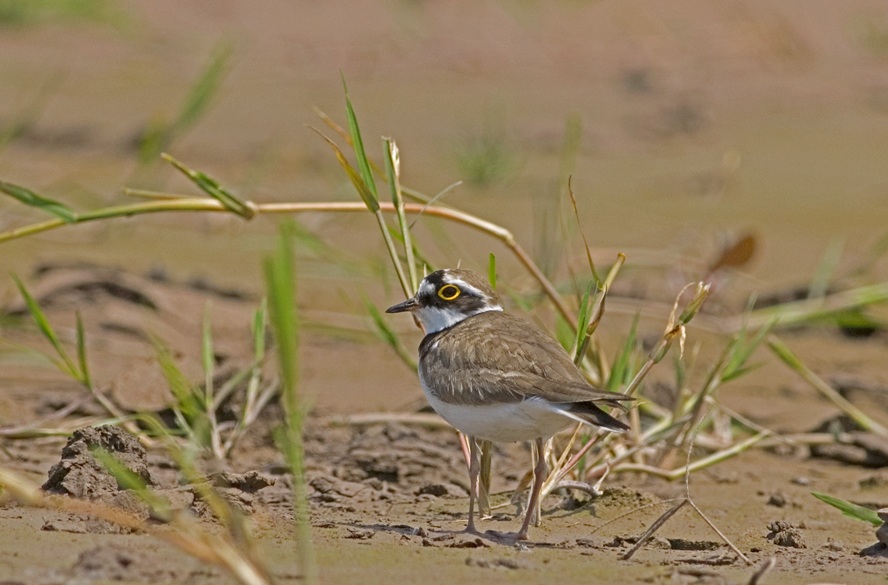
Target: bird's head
{"points": [[446, 297]]}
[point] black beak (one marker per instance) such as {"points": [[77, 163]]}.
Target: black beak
{"points": [[408, 305]]}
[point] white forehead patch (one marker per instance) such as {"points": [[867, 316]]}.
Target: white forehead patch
{"points": [[426, 288]]}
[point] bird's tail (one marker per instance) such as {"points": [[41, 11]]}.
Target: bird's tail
{"points": [[589, 413]]}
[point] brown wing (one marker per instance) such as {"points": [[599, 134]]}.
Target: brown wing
{"points": [[489, 346]]}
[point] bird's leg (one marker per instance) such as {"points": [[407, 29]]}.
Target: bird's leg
{"points": [[474, 473], [484, 452], [539, 476]]}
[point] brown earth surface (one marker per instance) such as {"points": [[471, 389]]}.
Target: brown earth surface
{"points": [[701, 122]]}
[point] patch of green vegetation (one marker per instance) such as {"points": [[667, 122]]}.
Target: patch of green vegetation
{"points": [[486, 157], [874, 37], [29, 12]]}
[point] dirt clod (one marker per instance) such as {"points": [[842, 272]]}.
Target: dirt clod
{"points": [[251, 481], [81, 475], [778, 500], [784, 533]]}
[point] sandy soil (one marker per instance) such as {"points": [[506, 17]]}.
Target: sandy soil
{"points": [[700, 122]]}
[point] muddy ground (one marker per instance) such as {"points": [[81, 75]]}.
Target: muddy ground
{"points": [[700, 123]]}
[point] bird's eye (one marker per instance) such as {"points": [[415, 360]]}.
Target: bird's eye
{"points": [[449, 292]]}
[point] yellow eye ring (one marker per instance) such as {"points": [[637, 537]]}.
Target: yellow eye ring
{"points": [[449, 292]]}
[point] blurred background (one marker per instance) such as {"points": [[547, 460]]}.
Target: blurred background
{"points": [[686, 127]]}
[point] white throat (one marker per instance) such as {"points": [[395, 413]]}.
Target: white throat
{"points": [[435, 319]]}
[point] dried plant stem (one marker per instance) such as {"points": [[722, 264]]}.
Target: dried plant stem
{"points": [[762, 570], [673, 474], [652, 529], [201, 204], [721, 534]]}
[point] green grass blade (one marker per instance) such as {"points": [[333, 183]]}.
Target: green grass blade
{"points": [[86, 378], [207, 357], [621, 372], [393, 174], [125, 477], [128, 480], [279, 282], [258, 328], [573, 202], [788, 357], [491, 270], [180, 386], [582, 324], [850, 510], [213, 188], [205, 87], [388, 335], [280, 289], [358, 145], [742, 350], [159, 134], [32, 199], [363, 190], [66, 364], [820, 282]]}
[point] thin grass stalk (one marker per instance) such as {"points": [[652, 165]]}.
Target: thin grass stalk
{"points": [[690, 410], [64, 363], [786, 355], [718, 531], [694, 403], [597, 313], [80, 370], [566, 462], [259, 328], [366, 187], [675, 328], [365, 183], [160, 134], [280, 283], [208, 400], [652, 529], [393, 174], [393, 253], [388, 335]]}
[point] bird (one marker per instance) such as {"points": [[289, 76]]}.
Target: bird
{"points": [[497, 377]]}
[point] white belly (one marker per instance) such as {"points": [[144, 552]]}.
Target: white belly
{"points": [[505, 423]]}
